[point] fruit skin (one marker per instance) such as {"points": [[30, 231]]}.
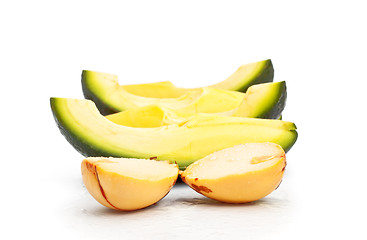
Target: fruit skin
{"points": [[121, 192], [238, 188], [93, 135], [110, 97]]}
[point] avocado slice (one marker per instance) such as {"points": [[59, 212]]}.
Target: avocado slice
{"points": [[166, 95], [248, 75], [110, 97], [266, 100], [94, 135]]}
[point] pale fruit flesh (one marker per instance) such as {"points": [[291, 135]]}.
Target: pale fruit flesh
{"points": [[128, 184], [240, 174]]}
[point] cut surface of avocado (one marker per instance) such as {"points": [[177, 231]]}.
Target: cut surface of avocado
{"points": [[94, 135], [265, 100], [144, 117], [111, 97], [150, 116]]}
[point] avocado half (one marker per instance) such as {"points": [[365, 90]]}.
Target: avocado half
{"points": [[110, 97], [94, 135]]}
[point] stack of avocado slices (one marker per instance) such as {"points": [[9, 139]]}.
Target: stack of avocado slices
{"points": [[165, 122]]}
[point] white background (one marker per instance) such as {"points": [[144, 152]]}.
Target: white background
{"points": [[318, 47]]}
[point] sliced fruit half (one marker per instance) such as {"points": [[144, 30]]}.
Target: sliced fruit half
{"points": [[110, 97], [128, 184], [94, 135], [243, 173]]}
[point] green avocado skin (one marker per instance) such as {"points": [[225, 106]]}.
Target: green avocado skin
{"points": [[78, 143], [294, 140], [103, 107]]}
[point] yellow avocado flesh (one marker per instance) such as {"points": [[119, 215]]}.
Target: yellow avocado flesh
{"points": [[128, 184], [151, 116], [257, 101], [164, 89], [94, 135], [111, 97], [243, 173], [143, 117]]}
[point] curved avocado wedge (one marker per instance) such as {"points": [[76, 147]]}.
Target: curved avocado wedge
{"points": [[248, 75], [94, 135], [265, 100], [190, 101], [110, 97]]}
